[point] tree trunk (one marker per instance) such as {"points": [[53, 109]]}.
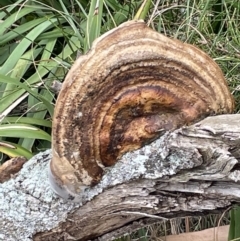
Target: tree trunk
{"points": [[193, 169]]}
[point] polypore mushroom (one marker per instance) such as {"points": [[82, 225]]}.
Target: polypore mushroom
{"points": [[132, 85]]}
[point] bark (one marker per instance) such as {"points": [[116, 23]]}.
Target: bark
{"points": [[193, 169]]}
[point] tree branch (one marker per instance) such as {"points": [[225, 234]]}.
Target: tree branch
{"points": [[193, 169]]}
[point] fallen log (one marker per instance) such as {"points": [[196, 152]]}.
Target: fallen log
{"points": [[191, 170]]}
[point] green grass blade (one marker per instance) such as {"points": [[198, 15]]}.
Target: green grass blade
{"points": [[143, 10], [38, 109], [51, 67], [21, 89], [14, 150], [8, 6], [69, 19], [18, 32], [7, 23], [24, 45], [27, 120], [94, 22], [22, 66], [23, 131], [56, 33], [234, 230]]}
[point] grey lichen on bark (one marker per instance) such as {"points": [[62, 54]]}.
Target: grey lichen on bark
{"points": [[27, 202], [199, 159]]}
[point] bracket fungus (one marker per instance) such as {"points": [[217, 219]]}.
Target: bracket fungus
{"points": [[133, 85]]}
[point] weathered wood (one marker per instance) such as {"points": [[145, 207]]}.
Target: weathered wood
{"points": [[193, 169]]}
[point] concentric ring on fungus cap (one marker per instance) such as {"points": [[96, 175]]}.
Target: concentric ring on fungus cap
{"points": [[132, 85]]}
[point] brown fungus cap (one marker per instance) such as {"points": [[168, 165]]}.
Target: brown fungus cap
{"points": [[132, 85]]}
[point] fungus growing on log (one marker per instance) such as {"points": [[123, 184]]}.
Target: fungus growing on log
{"points": [[132, 86]]}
